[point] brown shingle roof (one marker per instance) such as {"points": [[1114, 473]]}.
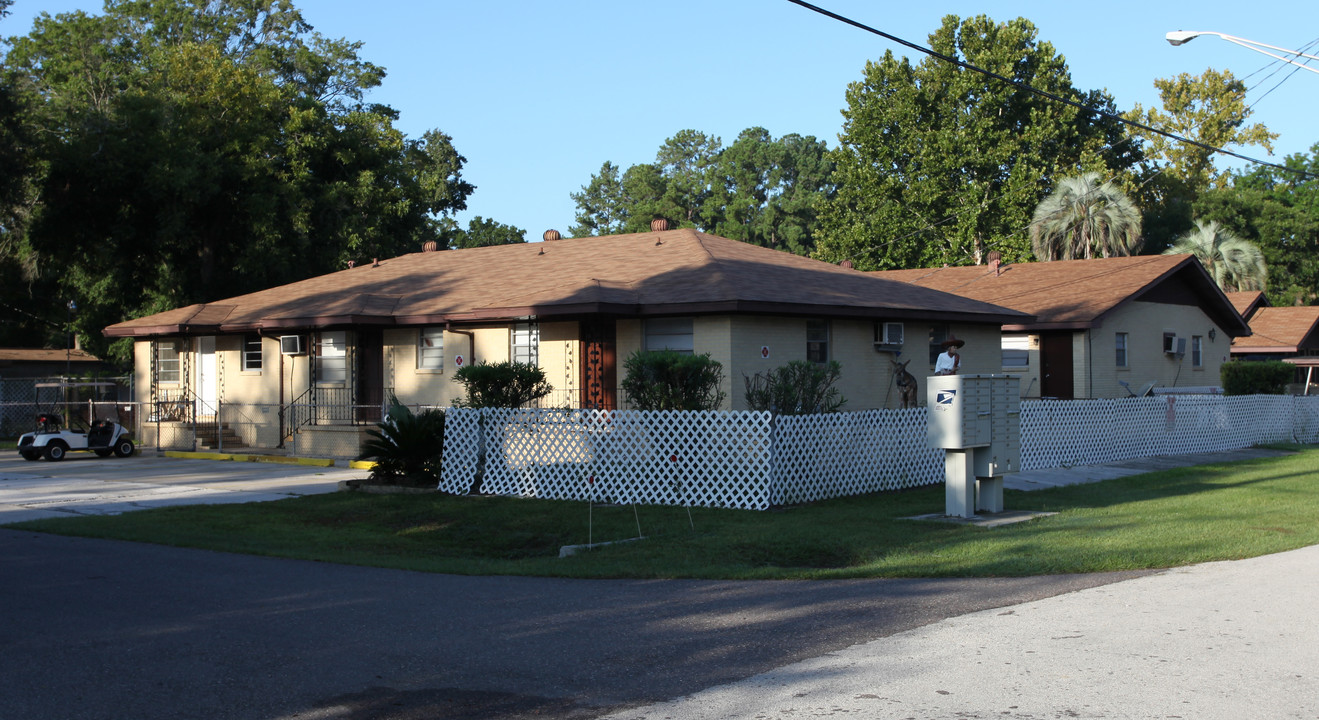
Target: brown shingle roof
{"points": [[669, 272], [1078, 293], [1247, 302], [45, 355], [1280, 330]]}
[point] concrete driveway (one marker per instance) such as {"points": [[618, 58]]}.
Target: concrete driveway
{"points": [[84, 484]]}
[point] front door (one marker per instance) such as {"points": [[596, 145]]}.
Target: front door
{"points": [[599, 377], [371, 376], [1056, 365], [208, 379]]}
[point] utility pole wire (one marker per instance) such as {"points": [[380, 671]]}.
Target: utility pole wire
{"points": [[1045, 93]]}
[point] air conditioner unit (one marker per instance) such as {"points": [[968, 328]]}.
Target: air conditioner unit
{"points": [[1181, 347], [888, 336], [291, 345]]}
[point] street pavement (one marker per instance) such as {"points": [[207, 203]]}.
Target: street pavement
{"points": [[106, 629]]}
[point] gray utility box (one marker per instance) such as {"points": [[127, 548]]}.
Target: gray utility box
{"points": [[977, 419]]}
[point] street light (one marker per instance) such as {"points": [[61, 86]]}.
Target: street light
{"points": [[1181, 37]]}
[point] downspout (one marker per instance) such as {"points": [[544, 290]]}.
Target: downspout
{"points": [[471, 340]]}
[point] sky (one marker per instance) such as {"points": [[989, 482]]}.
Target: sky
{"points": [[537, 95]]}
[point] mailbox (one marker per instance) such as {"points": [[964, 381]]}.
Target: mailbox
{"points": [[976, 419]]}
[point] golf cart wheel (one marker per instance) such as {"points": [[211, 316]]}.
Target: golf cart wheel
{"points": [[103, 452], [123, 448], [30, 455], [56, 450]]}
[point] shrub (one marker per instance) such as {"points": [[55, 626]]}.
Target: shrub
{"points": [[667, 380], [501, 385], [798, 388], [407, 448], [1245, 377]]}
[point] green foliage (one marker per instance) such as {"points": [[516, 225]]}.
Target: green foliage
{"points": [[668, 380], [501, 385], [1279, 212], [1082, 218], [759, 190], [1257, 378], [798, 388], [939, 164], [1233, 263], [482, 232], [407, 448], [190, 151]]}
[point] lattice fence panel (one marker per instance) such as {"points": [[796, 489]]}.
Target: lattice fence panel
{"points": [[1066, 433], [462, 450], [715, 459], [1305, 419], [843, 454], [1139, 428]]}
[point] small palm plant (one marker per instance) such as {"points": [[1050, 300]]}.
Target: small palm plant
{"points": [[406, 447], [1084, 215]]}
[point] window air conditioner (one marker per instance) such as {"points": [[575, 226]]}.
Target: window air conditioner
{"points": [[1170, 343], [290, 345]]}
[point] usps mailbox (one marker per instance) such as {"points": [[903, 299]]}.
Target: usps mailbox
{"points": [[976, 420]]}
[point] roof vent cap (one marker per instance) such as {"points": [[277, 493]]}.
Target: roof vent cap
{"points": [[551, 235], [659, 225]]}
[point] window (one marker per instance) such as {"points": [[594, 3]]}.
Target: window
{"points": [[526, 341], [430, 348], [1120, 341], [251, 353], [167, 361], [1197, 356], [1016, 351], [332, 357], [670, 334], [817, 341], [1170, 342], [938, 334]]}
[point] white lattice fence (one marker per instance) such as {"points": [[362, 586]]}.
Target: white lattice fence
{"points": [[1064, 433], [716, 459], [462, 450], [842, 454], [1305, 419]]}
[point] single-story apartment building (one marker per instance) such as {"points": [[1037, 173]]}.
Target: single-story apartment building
{"points": [[1106, 327], [1280, 333], [345, 342]]}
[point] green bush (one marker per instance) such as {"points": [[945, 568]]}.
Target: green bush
{"points": [[407, 448], [1247, 377], [501, 384], [667, 380], [798, 388]]}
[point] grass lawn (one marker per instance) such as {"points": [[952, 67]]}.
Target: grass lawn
{"points": [[1178, 517]]}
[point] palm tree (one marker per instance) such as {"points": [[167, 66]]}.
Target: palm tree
{"points": [[1083, 215], [1235, 264]]}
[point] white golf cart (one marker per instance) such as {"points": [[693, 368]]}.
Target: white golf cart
{"points": [[52, 440]]}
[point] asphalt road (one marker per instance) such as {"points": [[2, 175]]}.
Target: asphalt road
{"points": [[94, 629]]}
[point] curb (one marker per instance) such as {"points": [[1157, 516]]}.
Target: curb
{"points": [[234, 457]]}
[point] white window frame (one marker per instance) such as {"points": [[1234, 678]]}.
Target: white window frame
{"points": [[1015, 344], [524, 343], [332, 357], [676, 334], [430, 349], [175, 375], [1197, 352], [248, 353], [1122, 349]]}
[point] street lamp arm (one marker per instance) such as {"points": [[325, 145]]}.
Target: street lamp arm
{"points": [[1181, 37]]}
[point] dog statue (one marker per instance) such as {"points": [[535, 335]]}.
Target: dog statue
{"points": [[906, 383]]}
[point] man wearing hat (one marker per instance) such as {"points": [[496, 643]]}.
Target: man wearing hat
{"points": [[949, 362]]}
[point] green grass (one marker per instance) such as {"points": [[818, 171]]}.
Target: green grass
{"points": [[1211, 512]]}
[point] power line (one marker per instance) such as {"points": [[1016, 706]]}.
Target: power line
{"points": [[1043, 93]]}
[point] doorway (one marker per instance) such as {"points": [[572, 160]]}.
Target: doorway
{"points": [[599, 376], [1056, 365], [208, 380]]}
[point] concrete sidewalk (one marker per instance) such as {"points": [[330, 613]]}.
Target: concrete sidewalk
{"points": [[84, 484], [1224, 640]]}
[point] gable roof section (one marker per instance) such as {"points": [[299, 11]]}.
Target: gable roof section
{"points": [[43, 355], [1280, 330], [1078, 294], [1248, 302], [657, 273]]}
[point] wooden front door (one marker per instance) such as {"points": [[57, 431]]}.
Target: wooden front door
{"points": [[370, 395], [1056, 365], [599, 353]]}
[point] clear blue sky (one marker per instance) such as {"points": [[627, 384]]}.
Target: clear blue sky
{"points": [[538, 94]]}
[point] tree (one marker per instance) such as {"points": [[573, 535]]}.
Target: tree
{"points": [[601, 206], [482, 232], [1210, 109], [190, 151], [1083, 216], [1235, 264], [1279, 212], [940, 164]]}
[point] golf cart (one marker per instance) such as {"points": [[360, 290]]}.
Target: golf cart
{"points": [[52, 440]]}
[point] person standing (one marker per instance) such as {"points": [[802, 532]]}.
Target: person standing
{"points": [[949, 361]]}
